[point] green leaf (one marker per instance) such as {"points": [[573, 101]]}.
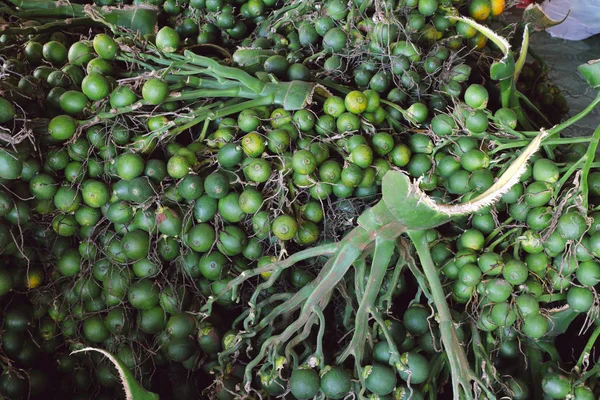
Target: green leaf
{"points": [[133, 390], [591, 72], [535, 16]]}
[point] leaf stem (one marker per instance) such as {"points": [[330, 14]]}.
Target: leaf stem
{"points": [[384, 248]]}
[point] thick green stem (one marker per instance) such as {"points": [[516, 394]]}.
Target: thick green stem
{"points": [[113, 113], [590, 155], [274, 276], [50, 26], [283, 15], [506, 88], [576, 118], [44, 8], [265, 285], [204, 93], [535, 361], [459, 365], [200, 83], [420, 278], [588, 347], [483, 362], [314, 56], [138, 18], [498, 230], [550, 142], [584, 378]]}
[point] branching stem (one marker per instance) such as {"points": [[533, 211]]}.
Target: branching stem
{"points": [[384, 249]]}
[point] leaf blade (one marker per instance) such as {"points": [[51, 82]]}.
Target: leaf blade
{"points": [[133, 390]]}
